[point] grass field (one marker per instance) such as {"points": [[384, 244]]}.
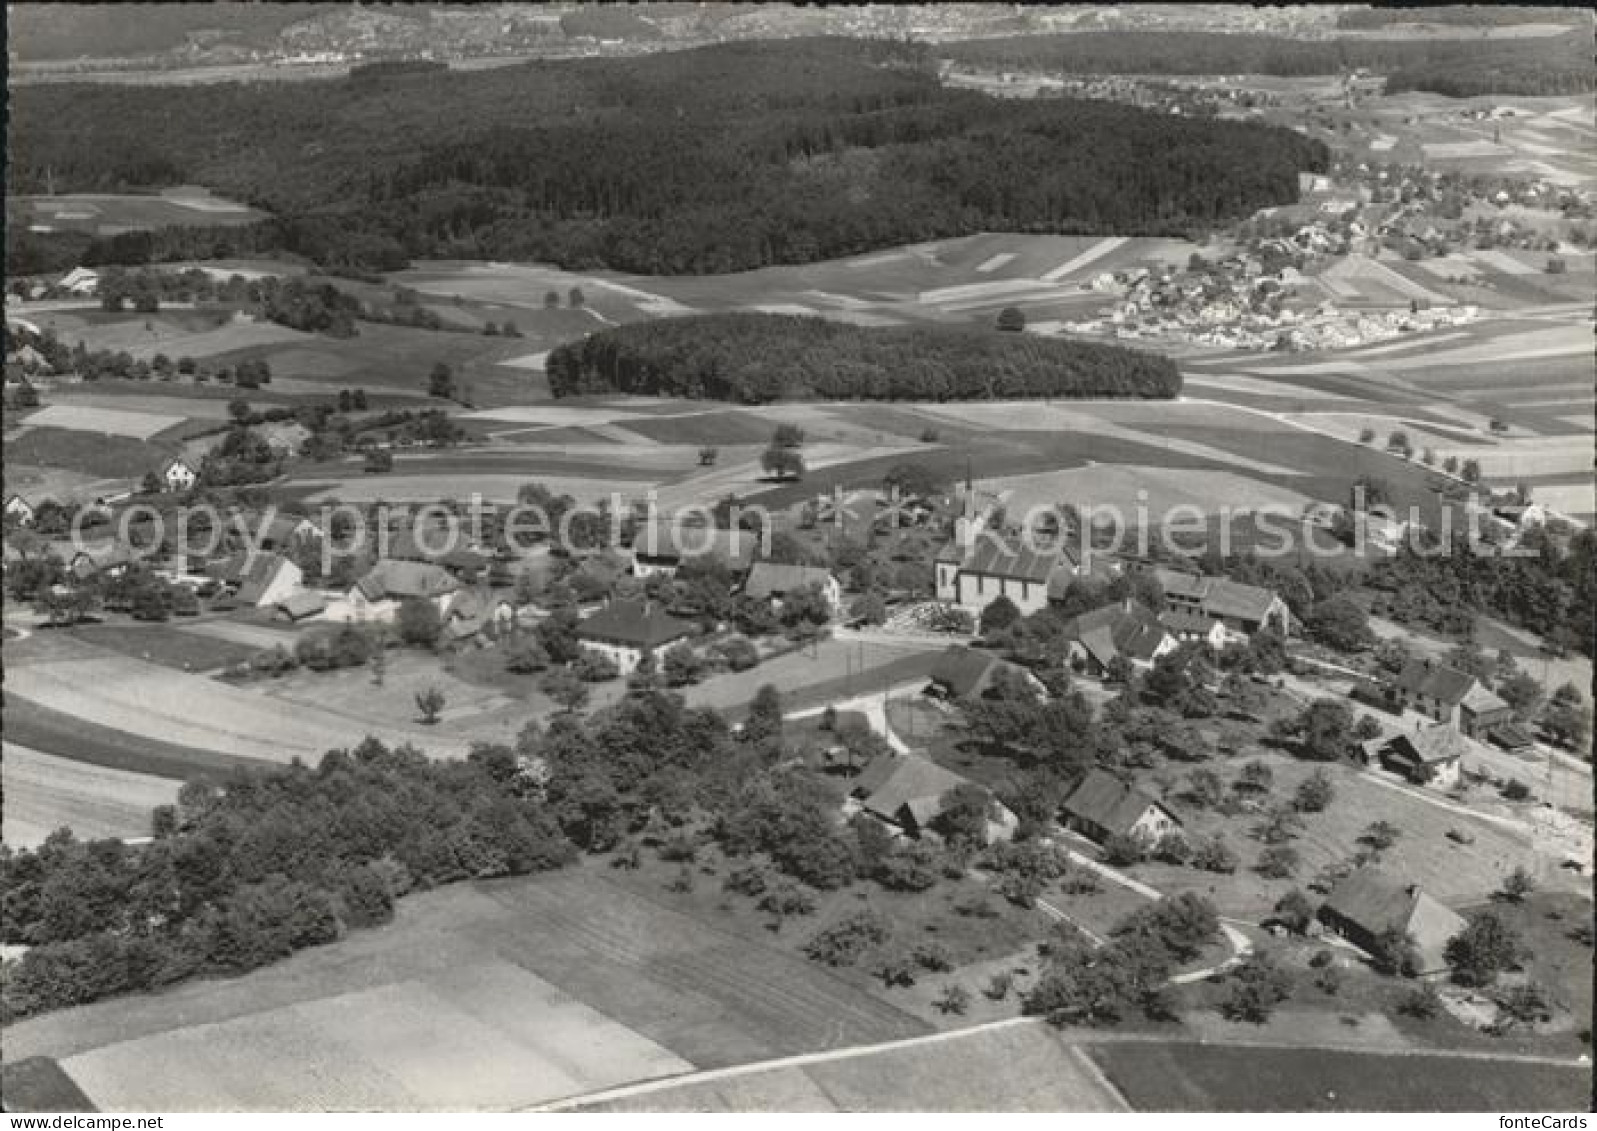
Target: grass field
{"points": [[169, 645], [1019, 1067], [1456, 874], [44, 793], [832, 670], [78, 740], [108, 214], [168, 707], [87, 453], [1195, 1077], [497, 995], [142, 425]]}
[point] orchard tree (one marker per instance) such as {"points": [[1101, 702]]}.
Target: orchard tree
{"points": [[430, 703], [1011, 319], [1339, 622], [1483, 949], [999, 614], [1565, 718]]}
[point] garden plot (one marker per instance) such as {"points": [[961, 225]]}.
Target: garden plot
{"points": [[44, 792], [109, 421]]}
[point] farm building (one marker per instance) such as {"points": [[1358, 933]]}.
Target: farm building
{"points": [[624, 630], [1103, 806], [179, 475], [1127, 631], [19, 510], [1370, 903], [1241, 609], [1448, 696], [1432, 755], [109, 558], [907, 791], [772, 580], [377, 596], [259, 580], [270, 531], [79, 281], [661, 547], [300, 606], [967, 673], [1184, 624]]}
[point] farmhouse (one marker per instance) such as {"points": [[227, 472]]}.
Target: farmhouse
{"points": [[663, 545], [1103, 806], [1241, 609], [1448, 696], [178, 475], [773, 580], [19, 510], [109, 559], [968, 673], [624, 630], [974, 576], [79, 281], [1370, 903], [377, 596], [277, 532], [259, 580], [908, 791], [1128, 630], [1432, 755], [1186, 625]]}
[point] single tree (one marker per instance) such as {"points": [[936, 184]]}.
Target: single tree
{"points": [[1011, 319], [430, 703]]}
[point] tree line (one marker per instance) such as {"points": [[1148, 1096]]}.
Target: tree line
{"points": [[717, 159], [755, 358]]}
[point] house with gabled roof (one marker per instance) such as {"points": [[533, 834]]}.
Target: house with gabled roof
{"points": [[301, 605], [1126, 630], [1103, 806], [623, 631], [1184, 625], [1369, 903], [178, 474], [259, 580], [908, 791], [974, 576], [661, 546], [1449, 696], [967, 673], [774, 580], [1241, 610], [379, 593], [19, 510], [1432, 755]]}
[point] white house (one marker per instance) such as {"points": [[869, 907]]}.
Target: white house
{"points": [[79, 281], [19, 510], [179, 475], [378, 595], [623, 631], [1103, 806]]}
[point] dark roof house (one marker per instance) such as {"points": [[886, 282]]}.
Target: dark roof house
{"points": [[772, 579], [1370, 902], [1128, 629], [1431, 680], [1103, 806], [633, 624], [398, 581]]}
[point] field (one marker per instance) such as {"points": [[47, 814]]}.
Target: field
{"points": [[171, 646], [1197, 1077], [44, 793], [110, 214], [142, 425], [831, 670], [90, 454], [156, 703], [1020, 1066], [65, 734], [490, 996]]}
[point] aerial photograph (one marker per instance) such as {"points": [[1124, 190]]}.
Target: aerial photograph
{"points": [[752, 557]]}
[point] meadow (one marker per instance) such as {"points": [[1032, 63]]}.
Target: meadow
{"points": [[1206, 1078], [480, 996], [44, 792]]}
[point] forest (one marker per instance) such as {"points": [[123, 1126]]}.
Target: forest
{"points": [[1535, 65], [718, 159], [756, 358]]}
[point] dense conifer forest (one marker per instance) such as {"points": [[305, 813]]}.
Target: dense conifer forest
{"points": [[718, 159], [754, 358]]}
